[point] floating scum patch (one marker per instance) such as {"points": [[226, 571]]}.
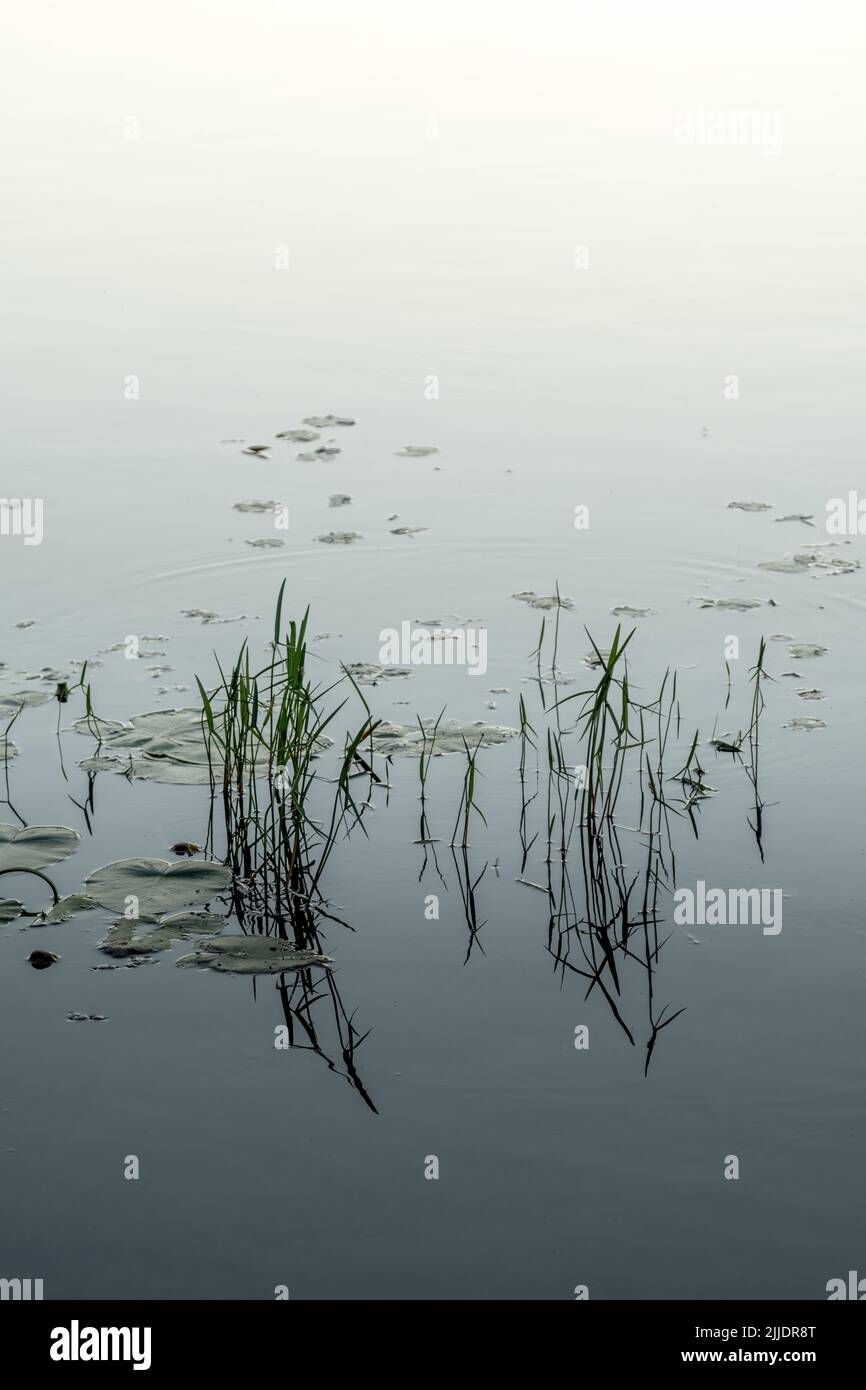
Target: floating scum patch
{"points": [[34, 846], [162, 887], [252, 955]]}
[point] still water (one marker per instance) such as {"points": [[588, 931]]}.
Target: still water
{"points": [[482, 238]]}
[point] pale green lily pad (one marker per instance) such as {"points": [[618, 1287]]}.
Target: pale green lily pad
{"points": [[805, 724], [122, 940], [267, 543], [66, 909], [324, 451], [801, 650], [26, 699], [327, 422], [451, 737], [160, 885], [368, 673], [812, 694], [10, 908], [806, 560], [34, 846], [8, 750], [252, 955], [298, 436], [751, 506], [166, 746], [732, 605], [626, 612], [543, 600], [339, 537], [101, 764]]}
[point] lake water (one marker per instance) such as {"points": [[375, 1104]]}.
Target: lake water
{"points": [[475, 230]]}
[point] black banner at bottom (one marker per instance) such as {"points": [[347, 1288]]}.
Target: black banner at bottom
{"points": [[147, 1338]]}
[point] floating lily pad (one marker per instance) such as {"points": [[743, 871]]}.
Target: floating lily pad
{"points": [[811, 694], [733, 605], [751, 506], [800, 651], [8, 751], [805, 724], [298, 436], [327, 422], [417, 451], [267, 543], [339, 537], [206, 616], [34, 846], [167, 746], [26, 699], [368, 673], [408, 530], [252, 955], [814, 559], [86, 1018], [324, 451], [123, 940], [66, 909], [254, 506], [161, 886], [451, 737], [626, 612], [544, 600], [339, 499], [10, 908], [807, 518]]}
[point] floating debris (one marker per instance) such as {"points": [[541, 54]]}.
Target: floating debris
{"points": [[86, 1018], [751, 506], [40, 960], [266, 543], [544, 600], [207, 616], [409, 530], [257, 449], [807, 519], [626, 612], [805, 724], [158, 886], [327, 422], [806, 560], [8, 750], [417, 451], [339, 499], [26, 622], [800, 651], [298, 436], [811, 694], [339, 537], [185, 847], [252, 955]]}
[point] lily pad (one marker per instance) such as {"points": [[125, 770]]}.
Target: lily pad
{"points": [[123, 940], [8, 751], [751, 506], [10, 908], [24, 699], [368, 673], [805, 724], [255, 506], [626, 612], [157, 746], [327, 422], [161, 886], [807, 518], [324, 451], [206, 616], [34, 846], [267, 543], [733, 605], [252, 955], [544, 600], [814, 559], [811, 694], [417, 451], [298, 436], [451, 737], [339, 499], [66, 909], [800, 651], [339, 537]]}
